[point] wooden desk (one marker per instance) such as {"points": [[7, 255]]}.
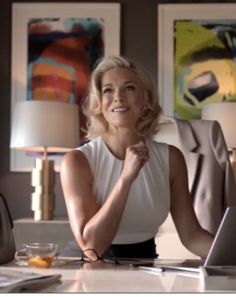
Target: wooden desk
{"points": [[104, 278]]}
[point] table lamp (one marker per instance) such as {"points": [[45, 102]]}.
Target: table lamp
{"points": [[225, 114], [44, 127]]}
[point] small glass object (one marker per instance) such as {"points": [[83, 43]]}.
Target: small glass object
{"points": [[39, 255]]}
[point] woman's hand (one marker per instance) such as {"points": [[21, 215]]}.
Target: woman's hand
{"points": [[136, 156]]}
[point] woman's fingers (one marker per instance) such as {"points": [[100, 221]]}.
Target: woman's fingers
{"points": [[136, 156], [141, 152], [141, 149]]}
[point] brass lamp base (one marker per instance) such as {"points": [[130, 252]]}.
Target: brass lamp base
{"points": [[42, 200]]}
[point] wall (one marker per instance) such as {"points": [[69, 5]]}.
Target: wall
{"points": [[138, 41]]}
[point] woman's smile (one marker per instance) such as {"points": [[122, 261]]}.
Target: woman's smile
{"points": [[120, 109]]}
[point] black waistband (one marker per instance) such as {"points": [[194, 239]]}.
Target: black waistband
{"points": [[145, 249]]}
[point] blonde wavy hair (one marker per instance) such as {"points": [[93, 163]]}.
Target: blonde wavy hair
{"points": [[97, 125]]}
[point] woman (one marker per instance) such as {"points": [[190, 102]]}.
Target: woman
{"points": [[120, 186]]}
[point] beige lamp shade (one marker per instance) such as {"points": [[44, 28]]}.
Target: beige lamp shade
{"points": [[225, 114], [37, 125]]}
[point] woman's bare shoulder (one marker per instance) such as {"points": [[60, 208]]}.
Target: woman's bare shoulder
{"points": [[177, 162], [175, 153], [74, 158]]}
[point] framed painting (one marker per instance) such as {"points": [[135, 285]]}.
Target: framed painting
{"points": [[196, 57], [54, 47]]}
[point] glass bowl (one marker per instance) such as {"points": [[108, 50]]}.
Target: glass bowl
{"points": [[40, 255]]}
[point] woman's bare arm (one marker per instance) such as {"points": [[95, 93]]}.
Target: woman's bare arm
{"points": [[191, 234]]}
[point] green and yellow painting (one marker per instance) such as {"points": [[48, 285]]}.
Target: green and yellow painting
{"points": [[204, 65]]}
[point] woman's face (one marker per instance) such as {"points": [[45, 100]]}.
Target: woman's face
{"points": [[123, 98]]}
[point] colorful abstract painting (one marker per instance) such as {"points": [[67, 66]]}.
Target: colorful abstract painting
{"points": [[204, 64], [61, 54]]}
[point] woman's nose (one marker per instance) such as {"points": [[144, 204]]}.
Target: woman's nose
{"points": [[119, 96]]}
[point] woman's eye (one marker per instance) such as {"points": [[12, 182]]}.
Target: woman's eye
{"points": [[107, 91], [130, 87]]}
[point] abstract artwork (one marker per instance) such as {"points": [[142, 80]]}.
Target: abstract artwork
{"points": [[200, 65], [60, 57], [61, 54]]}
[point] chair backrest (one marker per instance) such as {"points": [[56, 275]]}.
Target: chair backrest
{"points": [[7, 242]]}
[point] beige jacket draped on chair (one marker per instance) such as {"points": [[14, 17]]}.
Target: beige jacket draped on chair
{"points": [[211, 179]]}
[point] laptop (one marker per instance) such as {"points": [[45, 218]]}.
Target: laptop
{"points": [[221, 253]]}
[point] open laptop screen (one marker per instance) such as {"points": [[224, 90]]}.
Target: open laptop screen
{"points": [[223, 249]]}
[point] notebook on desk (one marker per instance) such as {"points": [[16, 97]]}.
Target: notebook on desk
{"points": [[222, 251]]}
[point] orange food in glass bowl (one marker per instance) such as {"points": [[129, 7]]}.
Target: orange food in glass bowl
{"points": [[41, 255]]}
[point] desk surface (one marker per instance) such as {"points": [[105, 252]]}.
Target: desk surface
{"points": [[103, 277]]}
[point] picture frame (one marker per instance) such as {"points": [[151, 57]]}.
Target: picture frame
{"points": [[170, 86], [22, 13]]}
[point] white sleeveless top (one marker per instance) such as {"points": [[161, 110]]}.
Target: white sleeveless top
{"points": [[148, 202]]}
